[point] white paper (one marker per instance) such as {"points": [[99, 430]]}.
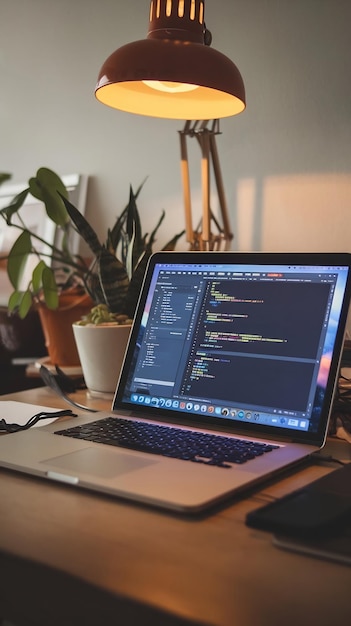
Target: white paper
{"points": [[20, 412]]}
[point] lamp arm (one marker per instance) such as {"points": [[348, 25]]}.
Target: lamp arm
{"points": [[184, 164], [227, 234], [204, 139], [204, 239]]}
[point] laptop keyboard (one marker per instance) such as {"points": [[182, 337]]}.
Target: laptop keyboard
{"points": [[186, 445]]}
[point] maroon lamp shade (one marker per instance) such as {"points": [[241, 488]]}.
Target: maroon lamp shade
{"points": [[173, 73]]}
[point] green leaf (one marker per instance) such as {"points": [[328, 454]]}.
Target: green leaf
{"points": [[116, 234], [4, 177], [135, 284], [18, 257], [25, 304], [37, 276], [14, 206], [48, 187], [113, 280], [173, 242], [130, 256], [14, 300], [152, 237], [133, 219], [35, 188], [50, 288], [55, 208], [20, 301], [47, 179], [65, 243], [85, 230]]}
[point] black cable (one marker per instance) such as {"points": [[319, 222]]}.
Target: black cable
{"points": [[53, 382], [325, 458], [43, 415]]}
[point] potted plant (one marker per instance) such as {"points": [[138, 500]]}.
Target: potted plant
{"points": [[111, 277], [44, 275]]}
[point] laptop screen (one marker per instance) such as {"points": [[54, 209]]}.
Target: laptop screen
{"points": [[246, 338]]}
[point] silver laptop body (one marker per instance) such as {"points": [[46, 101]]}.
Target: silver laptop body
{"points": [[246, 346]]}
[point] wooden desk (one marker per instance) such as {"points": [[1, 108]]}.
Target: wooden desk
{"points": [[71, 558]]}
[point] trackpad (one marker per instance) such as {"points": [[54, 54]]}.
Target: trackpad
{"points": [[100, 463]]}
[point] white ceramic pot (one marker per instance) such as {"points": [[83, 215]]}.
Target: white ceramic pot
{"points": [[101, 352]]}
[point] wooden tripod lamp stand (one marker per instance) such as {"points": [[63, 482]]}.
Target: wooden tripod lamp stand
{"points": [[203, 237]]}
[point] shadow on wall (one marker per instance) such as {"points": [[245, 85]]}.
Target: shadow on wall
{"points": [[294, 213]]}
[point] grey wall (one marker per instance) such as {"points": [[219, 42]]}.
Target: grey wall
{"points": [[286, 160]]}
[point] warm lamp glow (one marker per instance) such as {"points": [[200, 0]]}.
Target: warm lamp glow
{"points": [[173, 73], [170, 87]]}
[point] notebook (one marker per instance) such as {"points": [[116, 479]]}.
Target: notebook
{"points": [[228, 378]]}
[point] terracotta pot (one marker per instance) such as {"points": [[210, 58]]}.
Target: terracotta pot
{"points": [[101, 350], [57, 326]]}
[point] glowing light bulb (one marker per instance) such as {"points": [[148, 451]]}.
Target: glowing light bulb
{"points": [[169, 86]]}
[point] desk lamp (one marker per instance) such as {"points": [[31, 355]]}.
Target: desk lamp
{"points": [[175, 74]]}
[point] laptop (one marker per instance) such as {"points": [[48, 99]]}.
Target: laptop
{"points": [[228, 378]]}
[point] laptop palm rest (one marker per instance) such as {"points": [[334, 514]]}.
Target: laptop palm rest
{"points": [[98, 462]]}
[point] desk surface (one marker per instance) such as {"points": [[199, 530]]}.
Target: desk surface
{"points": [[72, 558]]}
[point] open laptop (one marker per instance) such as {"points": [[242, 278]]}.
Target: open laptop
{"points": [[244, 346]]}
